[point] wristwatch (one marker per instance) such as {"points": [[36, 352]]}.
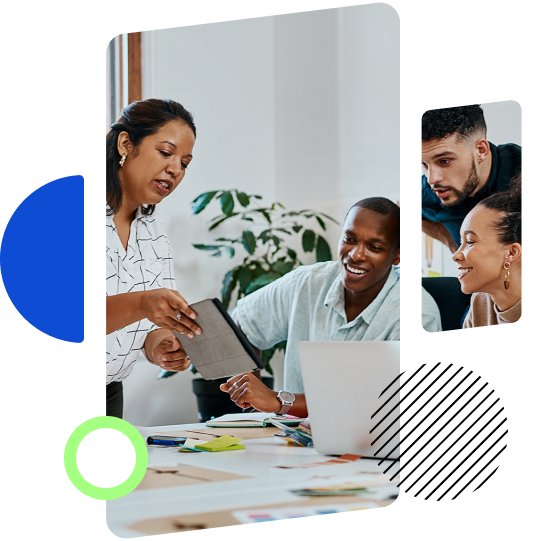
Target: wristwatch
{"points": [[287, 399]]}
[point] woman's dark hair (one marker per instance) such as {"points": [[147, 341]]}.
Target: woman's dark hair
{"points": [[508, 225], [139, 119]]}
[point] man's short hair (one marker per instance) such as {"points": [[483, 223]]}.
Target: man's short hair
{"points": [[381, 205], [408, 220], [464, 121]]}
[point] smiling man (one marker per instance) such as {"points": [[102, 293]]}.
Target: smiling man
{"points": [[461, 168], [354, 298]]}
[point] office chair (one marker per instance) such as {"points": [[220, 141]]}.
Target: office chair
{"points": [[451, 301]]}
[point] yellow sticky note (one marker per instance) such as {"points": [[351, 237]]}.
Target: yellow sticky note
{"points": [[223, 443]]}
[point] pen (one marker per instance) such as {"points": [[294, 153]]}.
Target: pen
{"points": [[153, 441]]}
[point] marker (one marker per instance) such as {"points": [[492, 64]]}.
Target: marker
{"points": [[169, 443]]}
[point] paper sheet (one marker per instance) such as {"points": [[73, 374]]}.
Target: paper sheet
{"points": [[343, 459], [183, 475], [214, 519], [211, 433]]}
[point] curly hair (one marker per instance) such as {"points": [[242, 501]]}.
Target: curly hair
{"points": [[508, 205], [463, 121], [139, 119]]}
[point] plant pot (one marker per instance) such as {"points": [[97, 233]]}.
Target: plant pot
{"points": [[212, 402]]}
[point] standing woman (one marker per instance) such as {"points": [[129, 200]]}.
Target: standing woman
{"points": [[147, 153]]}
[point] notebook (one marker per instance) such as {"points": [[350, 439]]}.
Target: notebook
{"points": [[256, 419], [221, 350]]}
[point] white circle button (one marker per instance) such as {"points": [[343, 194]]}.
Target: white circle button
{"points": [[106, 458]]}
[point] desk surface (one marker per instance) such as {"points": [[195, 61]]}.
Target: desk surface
{"points": [[206, 490]]}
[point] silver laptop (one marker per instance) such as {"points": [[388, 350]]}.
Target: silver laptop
{"points": [[352, 392]]}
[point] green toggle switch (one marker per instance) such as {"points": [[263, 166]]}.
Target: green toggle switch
{"points": [[45, 458]]}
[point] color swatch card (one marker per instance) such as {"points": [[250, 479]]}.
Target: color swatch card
{"points": [[337, 517]]}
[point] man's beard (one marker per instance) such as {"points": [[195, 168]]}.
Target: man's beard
{"points": [[470, 185]]}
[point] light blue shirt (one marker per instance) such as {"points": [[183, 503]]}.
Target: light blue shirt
{"points": [[308, 304], [430, 314]]}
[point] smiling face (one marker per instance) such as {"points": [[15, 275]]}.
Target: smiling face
{"points": [[155, 168], [367, 250], [450, 167], [481, 255]]}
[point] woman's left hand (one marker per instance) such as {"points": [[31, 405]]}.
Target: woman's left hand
{"points": [[166, 351]]}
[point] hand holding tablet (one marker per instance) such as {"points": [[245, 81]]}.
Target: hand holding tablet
{"points": [[221, 350]]}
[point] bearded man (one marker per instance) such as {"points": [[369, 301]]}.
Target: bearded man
{"points": [[460, 169]]}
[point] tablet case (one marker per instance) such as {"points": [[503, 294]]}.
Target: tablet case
{"points": [[221, 350]]}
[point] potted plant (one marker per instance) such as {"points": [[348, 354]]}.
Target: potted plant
{"points": [[268, 256]]}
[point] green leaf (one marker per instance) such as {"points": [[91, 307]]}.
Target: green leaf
{"points": [[219, 219], [202, 201], [264, 236], [281, 267], [308, 240], [228, 285], [230, 251], [289, 266], [247, 218], [217, 254], [227, 203], [248, 241], [329, 217], [245, 277], [262, 281], [265, 214], [266, 355], [291, 254], [321, 223], [207, 246], [322, 250], [256, 196], [243, 199], [297, 228]]}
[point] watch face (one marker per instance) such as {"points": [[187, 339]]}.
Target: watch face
{"points": [[286, 396]]}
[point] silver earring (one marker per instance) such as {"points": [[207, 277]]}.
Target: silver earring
{"points": [[506, 266], [122, 161]]}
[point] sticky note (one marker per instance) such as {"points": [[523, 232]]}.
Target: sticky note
{"points": [[223, 443]]}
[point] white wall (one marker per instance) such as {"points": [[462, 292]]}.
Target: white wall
{"points": [[302, 109], [223, 74]]}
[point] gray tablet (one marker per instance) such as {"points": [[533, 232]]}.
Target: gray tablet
{"points": [[221, 350]]}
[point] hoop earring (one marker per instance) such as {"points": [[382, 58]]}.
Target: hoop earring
{"points": [[122, 161], [506, 266]]}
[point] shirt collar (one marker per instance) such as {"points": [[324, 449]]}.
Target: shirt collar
{"points": [[335, 298], [137, 215]]}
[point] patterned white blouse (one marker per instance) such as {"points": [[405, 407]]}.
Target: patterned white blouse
{"points": [[146, 264]]}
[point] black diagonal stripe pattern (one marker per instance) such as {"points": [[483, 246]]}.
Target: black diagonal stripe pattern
{"points": [[386, 419]]}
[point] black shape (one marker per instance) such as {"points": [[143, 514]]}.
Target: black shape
{"points": [[384, 403], [387, 415], [466, 422]]}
